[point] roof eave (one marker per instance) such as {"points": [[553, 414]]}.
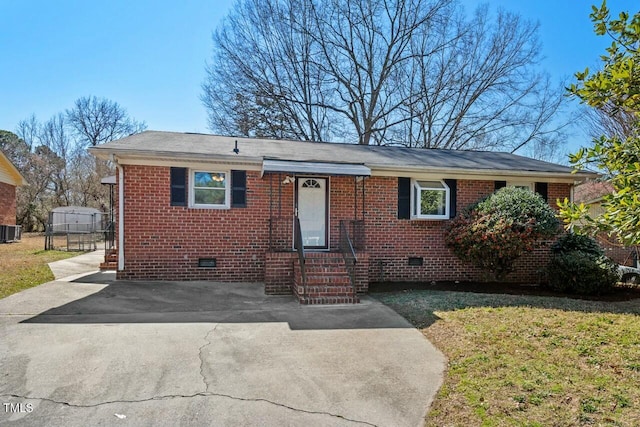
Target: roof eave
{"points": [[110, 153], [19, 179], [572, 176], [113, 154]]}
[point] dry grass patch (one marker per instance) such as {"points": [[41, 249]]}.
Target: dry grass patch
{"points": [[24, 264], [528, 360]]}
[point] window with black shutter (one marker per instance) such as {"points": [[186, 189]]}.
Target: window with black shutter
{"points": [[239, 189], [404, 198], [542, 188], [453, 199], [178, 187]]}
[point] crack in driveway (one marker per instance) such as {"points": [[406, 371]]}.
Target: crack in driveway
{"points": [[207, 343], [187, 396]]}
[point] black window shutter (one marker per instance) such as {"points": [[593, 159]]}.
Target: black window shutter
{"points": [[453, 191], [542, 189], [239, 189], [499, 184], [404, 198], [178, 186]]}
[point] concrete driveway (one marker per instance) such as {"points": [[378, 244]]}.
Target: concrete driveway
{"points": [[87, 350]]}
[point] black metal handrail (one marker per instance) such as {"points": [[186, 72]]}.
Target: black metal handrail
{"points": [[349, 254], [299, 246]]}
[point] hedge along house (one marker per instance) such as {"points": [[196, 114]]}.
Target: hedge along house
{"points": [[320, 220], [10, 179]]}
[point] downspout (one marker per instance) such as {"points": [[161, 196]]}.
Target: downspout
{"points": [[571, 191], [120, 213]]}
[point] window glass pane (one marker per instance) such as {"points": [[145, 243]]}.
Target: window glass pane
{"points": [[430, 184], [209, 179], [432, 202], [209, 196], [516, 184]]}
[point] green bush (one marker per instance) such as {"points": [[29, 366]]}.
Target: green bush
{"points": [[571, 242], [578, 265], [520, 206], [494, 232]]}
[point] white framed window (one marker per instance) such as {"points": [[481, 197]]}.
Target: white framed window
{"points": [[208, 189], [520, 184], [430, 200]]}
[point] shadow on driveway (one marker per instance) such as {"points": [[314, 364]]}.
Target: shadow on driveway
{"points": [[215, 302]]}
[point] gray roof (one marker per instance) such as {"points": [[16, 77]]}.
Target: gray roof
{"points": [[175, 145]]}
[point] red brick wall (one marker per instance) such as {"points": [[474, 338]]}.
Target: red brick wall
{"points": [[278, 273], [390, 241], [7, 204], [165, 242]]}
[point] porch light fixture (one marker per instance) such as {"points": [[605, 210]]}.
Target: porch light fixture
{"points": [[288, 180]]}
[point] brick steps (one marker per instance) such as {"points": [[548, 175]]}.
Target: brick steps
{"points": [[110, 261], [328, 300], [328, 281]]}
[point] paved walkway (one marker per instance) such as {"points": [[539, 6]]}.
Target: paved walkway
{"points": [[81, 264], [92, 351]]}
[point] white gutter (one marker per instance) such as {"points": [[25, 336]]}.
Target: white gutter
{"points": [[378, 169], [120, 215]]}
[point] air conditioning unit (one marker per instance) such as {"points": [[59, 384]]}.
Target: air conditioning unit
{"points": [[10, 233]]}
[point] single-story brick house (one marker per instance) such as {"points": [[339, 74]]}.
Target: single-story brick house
{"points": [[10, 179], [206, 207]]}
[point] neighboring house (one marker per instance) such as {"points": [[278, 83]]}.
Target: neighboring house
{"points": [[205, 207], [592, 193], [10, 178]]}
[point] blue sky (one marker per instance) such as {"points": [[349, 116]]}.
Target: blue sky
{"points": [[149, 56]]}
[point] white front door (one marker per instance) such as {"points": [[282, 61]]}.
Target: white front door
{"points": [[312, 211]]}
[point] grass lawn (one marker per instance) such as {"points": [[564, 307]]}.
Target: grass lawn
{"points": [[529, 360], [24, 264]]}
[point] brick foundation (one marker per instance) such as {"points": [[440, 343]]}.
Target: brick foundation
{"points": [[7, 204], [278, 273]]}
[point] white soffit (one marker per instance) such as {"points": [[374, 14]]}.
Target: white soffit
{"points": [[314, 168]]}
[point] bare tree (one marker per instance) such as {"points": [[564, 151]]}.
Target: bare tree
{"points": [[29, 131], [263, 80], [98, 120], [411, 72], [52, 157], [54, 134], [482, 91], [610, 121], [42, 165]]}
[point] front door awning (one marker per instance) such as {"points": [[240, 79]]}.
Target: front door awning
{"points": [[314, 168]]}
